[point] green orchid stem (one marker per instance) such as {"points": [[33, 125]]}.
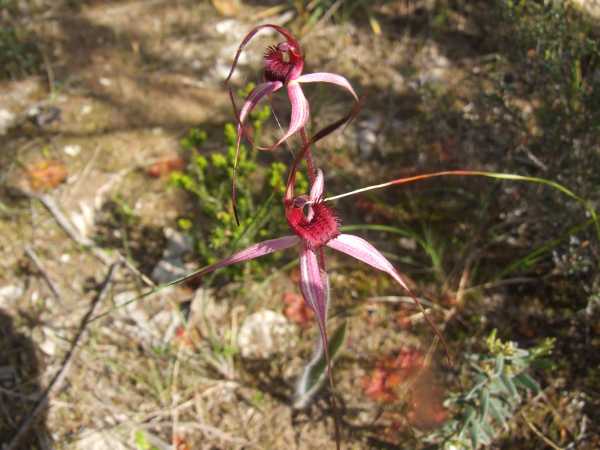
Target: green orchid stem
{"points": [[500, 176]]}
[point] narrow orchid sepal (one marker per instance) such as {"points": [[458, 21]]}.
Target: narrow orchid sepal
{"points": [[299, 114], [312, 284], [255, 96], [362, 250], [316, 191], [254, 251], [325, 77]]}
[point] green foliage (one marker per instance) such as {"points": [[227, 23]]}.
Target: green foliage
{"points": [[194, 139], [310, 12], [498, 380], [562, 43], [141, 441], [19, 55], [208, 179]]}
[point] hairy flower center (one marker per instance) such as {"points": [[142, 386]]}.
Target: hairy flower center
{"points": [[316, 228], [282, 62]]}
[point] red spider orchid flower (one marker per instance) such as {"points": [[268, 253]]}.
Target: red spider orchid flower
{"points": [[283, 65], [315, 226]]}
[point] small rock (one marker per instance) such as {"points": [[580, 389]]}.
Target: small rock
{"points": [[168, 270], [408, 243], [171, 265], [178, 244], [99, 440], [367, 136], [48, 347], [10, 293], [8, 377], [43, 115], [105, 81], [72, 150], [228, 27], [263, 334], [7, 120]]}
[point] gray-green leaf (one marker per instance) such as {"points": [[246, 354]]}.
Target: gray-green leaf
{"points": [[525, 381], [484, 403], [475, 431], [315, 371]]}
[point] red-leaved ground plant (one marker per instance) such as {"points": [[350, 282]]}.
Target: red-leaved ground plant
{"points": [[296, 310], [408, 374]]}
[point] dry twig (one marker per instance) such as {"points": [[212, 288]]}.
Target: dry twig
{"points": [[53, 208], [539, 433], [36, 261]]}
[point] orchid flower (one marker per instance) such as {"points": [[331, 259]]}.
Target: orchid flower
{"points": [[283, 65], [315, 226]]}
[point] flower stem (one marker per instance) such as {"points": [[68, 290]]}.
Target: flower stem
{"points": [[312, 171], [310, 166]]}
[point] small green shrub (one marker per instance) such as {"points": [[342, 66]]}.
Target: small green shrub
{"points": [[564, 47], [207, 178], [19, 55], [23, 45], [499, 379]]}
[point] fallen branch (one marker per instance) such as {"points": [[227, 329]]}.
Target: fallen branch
{"points": [[62, 220]]}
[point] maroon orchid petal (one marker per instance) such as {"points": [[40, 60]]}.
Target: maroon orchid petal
{"points": [[252, 252], [324, 77]]}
